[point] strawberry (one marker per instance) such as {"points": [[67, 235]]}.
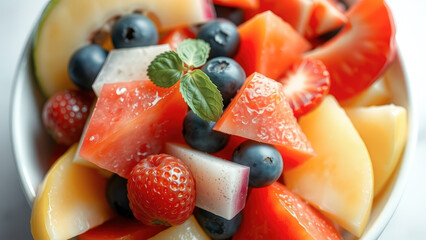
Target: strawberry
{"points": [[362, 50], [65, 114], [306, 83], [161, 190]]}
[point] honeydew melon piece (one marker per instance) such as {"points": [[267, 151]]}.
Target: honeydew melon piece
{"points": [[67, 25], [190, 229], [384, 131], [221, 185], [123, 65], [70, 200], [339, 179]]}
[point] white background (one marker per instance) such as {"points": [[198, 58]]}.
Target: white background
{"points": [[17, 17]]}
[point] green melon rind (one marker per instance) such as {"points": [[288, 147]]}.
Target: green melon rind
{"points": [[50, 6]]}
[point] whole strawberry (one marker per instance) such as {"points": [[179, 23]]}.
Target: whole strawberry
{"points": [[161, 191], [65, 114]]}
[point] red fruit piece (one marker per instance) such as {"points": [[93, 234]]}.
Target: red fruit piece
{"points": [[268, 45], [161, 191], [65, 114], [362, 50], [121, 228], [306, 84], [274, 212], [260, 111], [176, 36], [132, 120], [238, 3]]}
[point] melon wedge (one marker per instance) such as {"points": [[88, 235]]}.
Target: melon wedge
{"points": [[124, 65], [67, 25], [221, 185], [190, 229], [70, 200], [384, 131], [376, 94], [339, 180]]}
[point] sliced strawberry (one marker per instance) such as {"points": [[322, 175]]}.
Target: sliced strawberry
{"points": [[306, 83], [325, 17], [361, 51]]}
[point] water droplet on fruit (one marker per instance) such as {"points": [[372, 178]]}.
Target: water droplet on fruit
{"points": [[121, 90]]}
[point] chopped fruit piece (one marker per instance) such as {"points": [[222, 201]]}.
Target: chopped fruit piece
{"points": [[66, 205], [261, 112], [294, 12], [238, 3], [176, 36], [190, 229], [161, 191], [124, 65], [233, 143], [306, 84], [132, 120], [121, 228], [218, 227], [61, 33], [310, 18], [264, 161], [362, 50], [384, 131], [223, 37], [375, 95], [268, 45], [339, 180], [221, 185], [274, 212], [325, 17], [134, 30], [65, 114]]}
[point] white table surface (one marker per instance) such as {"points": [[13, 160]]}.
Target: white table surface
{"points": [[18, 16]]}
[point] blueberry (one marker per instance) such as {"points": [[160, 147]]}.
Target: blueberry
{"points": [[223, 37], [264, 160], [85, 64], [116, 193], [134, 30], [227, 75], [218, 227], [235, 15], [199, 134]]}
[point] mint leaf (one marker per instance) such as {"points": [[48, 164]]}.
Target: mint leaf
{"points": [[194, 52], [201, 95], [166, 69]]}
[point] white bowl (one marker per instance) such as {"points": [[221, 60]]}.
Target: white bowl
{"points": [[32, 145]]}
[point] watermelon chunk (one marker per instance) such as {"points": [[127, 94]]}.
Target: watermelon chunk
{"points": [[260, 112], [274, 212], [268, 45], [132, 120]]}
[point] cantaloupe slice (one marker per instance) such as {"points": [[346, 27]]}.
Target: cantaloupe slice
{"points": [[384, 131], [67, 25], [339, 180], [190, 229], [376, 94], [70, 200]]}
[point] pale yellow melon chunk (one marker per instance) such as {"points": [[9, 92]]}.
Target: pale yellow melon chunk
{"points": [[189, 230], [70, 200], [339, 180], [384, 131], [376, 94]]}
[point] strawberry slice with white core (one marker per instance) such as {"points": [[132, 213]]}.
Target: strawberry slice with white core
{"points": [[361, 52], [306, 83]]}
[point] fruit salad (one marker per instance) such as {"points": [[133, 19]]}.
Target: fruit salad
{"points": [[197, 119]]}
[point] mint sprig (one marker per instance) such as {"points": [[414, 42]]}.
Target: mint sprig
{"points": [[198, 91]]}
